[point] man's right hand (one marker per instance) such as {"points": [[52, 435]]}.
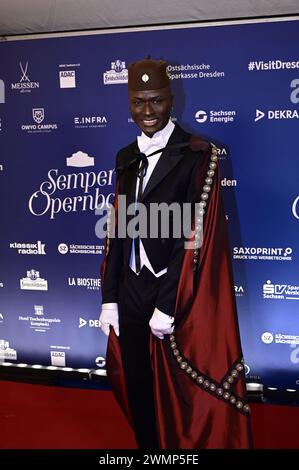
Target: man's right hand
{"points": [[109, 316]]}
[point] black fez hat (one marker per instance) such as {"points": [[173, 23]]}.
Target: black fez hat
{"points": [[148, 74]]}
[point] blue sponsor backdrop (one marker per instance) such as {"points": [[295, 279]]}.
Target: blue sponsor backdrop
{"points": [[64, 114]]}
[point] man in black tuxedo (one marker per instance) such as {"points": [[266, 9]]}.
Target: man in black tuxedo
{"points": [[141, 274]]}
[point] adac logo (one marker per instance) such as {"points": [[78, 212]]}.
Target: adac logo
{"points": [[117, 74], [67, 78]]}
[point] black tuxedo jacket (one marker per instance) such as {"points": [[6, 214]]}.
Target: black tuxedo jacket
{"points": [[172, 181]]}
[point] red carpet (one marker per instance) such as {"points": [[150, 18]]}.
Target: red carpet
{"points": [[43, 417]]}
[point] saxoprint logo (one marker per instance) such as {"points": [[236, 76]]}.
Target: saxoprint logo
{"points": [[259, 253], [33, 281], [25, 84], [38, 116], [117, 74], [280, 291], [215, 116], [276, 114]]}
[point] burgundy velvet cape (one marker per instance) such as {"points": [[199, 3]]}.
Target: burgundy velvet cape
{"points": [[198, 372]]}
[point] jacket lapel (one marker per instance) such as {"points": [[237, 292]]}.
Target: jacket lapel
{"points": [[168, 160]]}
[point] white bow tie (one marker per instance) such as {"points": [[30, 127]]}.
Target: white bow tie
{"points": [[145, 143]]}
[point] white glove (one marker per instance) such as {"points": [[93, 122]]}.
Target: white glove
{"points": [[161, 324], [109, 316]]}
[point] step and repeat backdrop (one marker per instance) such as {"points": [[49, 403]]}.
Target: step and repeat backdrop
{"points": [[63, 116]]}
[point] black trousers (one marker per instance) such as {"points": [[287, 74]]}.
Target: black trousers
{"points": [[137, 299]]}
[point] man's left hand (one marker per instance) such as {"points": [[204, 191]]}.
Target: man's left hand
{"points": [[161, 324]]}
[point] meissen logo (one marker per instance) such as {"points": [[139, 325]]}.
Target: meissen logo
{"points": [[280, 291], [262, 253], [214, 116], [87, 282], [33, 281], [37, 248], [25, 84], [117, 74], [38, 116], [90, 122], [67, 78]]}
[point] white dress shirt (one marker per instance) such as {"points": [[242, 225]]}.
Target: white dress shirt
{"points": [[148, 145]]}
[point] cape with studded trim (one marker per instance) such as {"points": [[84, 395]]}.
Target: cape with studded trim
{"points": [[198, 371]]}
